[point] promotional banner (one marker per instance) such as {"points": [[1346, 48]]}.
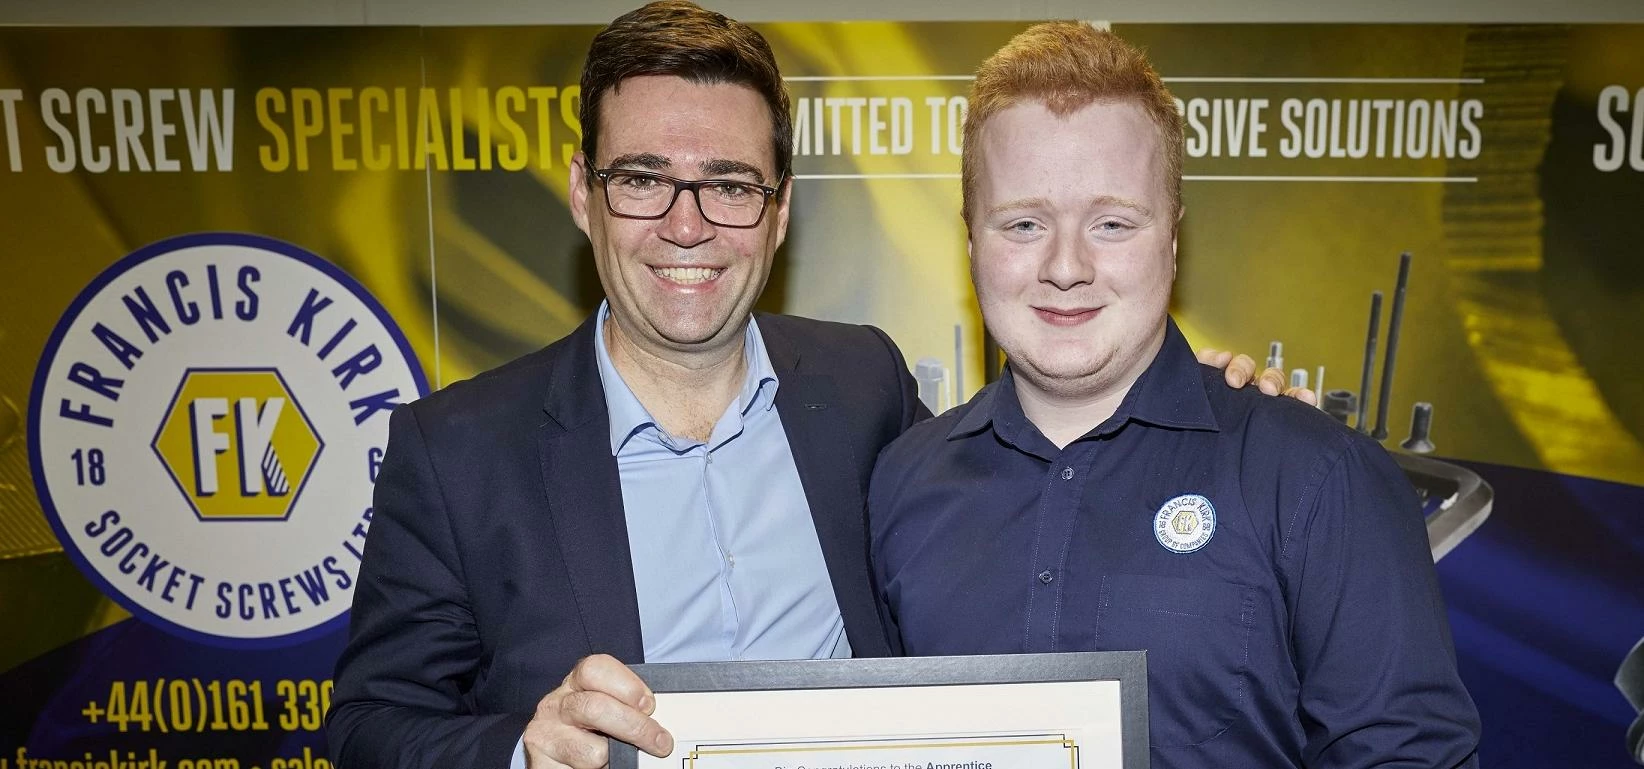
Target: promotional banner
{"points": [[229, 253]]}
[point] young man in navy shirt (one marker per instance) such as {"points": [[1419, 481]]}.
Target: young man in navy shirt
{"points": [[1109, 493]]}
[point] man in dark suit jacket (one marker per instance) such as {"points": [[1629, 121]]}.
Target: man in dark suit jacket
{"points": [[514, 531], [589, 501], [498, 555]]}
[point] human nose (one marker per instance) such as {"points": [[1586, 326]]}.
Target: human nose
{"points": [[684, 225], [1070, 263]]}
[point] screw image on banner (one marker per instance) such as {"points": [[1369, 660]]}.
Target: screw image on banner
{"points": [[206, 425]]}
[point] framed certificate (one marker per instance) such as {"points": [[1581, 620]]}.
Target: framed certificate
{"points": [[1085, 710]]}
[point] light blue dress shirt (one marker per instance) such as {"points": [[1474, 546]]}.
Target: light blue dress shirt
{"points": [[727, 565]]}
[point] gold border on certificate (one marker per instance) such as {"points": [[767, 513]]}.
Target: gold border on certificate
{"points": [[694, 758]]}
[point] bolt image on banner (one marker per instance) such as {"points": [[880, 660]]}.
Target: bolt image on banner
{"points": [[206, 425]]}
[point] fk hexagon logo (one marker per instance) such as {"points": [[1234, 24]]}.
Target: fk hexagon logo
{"points": [[205, 430], [237, 444]]}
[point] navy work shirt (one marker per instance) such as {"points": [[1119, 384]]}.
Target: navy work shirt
{"points": [[1272, 562]]}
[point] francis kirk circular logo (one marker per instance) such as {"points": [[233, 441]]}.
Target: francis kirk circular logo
{"points": [[1185, 523], [205, 429]]}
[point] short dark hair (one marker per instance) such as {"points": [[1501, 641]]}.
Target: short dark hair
{"points": [[682, 39]]}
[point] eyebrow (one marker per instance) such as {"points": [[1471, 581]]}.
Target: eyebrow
{"points": [[711, 169], [1100, 200], [719, 167], [646, 160]]}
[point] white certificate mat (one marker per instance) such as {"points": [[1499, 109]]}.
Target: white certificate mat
{"points": [[1051, 711]]}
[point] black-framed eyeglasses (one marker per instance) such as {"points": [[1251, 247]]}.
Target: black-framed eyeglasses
{"points": [[635, 194]]}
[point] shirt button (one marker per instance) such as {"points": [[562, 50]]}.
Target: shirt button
{"points": [[1046, 577], [1067, 473], [710, 458]]}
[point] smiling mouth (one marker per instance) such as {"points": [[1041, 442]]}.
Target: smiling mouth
{"points": [[1059, 317], [687, 276]]}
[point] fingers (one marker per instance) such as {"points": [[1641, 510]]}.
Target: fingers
{"points": [[564, 748], [607, 697], [1272, 381], [604, 673], [1210, 356], [600, 698], [1240, 370], [599, 712], [1303, 394]]}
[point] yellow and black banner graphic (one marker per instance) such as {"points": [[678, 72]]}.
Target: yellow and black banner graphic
{"points": [[229, 253]]}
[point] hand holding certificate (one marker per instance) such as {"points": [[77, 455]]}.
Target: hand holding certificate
{"points": [[600, 697]]}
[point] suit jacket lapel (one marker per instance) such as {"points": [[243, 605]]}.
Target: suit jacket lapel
{"points": [[584, 495], [819, 436]]}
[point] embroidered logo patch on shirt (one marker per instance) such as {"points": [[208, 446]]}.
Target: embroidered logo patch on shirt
{"points": [[1185, 524]]}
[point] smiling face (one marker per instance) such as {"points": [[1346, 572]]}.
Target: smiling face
{"points": [[679, 284], [1072, 244]]}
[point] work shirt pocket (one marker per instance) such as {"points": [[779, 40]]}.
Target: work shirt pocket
{"points": [[1197, 636]]}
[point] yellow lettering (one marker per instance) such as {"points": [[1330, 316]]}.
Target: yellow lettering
{"points": [[513, 154], [430, 133], [542, 95], [459, 148], [340, 129], [276, 158], [482, 119], [403, 128], [569, 102], [306, 122], [369, 148]]}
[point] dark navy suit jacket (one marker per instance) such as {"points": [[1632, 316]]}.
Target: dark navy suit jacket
{"points": [[498, 552]]}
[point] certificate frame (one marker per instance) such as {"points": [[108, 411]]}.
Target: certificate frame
{"points": [[1126, 668]]}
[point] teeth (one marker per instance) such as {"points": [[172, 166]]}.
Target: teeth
{"points": [[687, 274]]}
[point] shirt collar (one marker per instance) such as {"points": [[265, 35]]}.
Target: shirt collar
{"points": [[628, 417], [1169, 393], [995, 397], [998, 406]]}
